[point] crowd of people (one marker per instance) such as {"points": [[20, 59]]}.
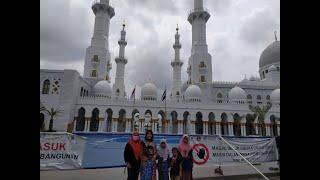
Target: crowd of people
{"points": [[144, 158]]}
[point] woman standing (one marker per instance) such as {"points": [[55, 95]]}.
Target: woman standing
{"points": [[132, 156], [163, 160], [148, 140], [185, 150]]}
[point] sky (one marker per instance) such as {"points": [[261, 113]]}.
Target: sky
{"points": [[237, 33]]}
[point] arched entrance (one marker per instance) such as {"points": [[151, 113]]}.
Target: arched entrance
{"points": [[81, 121], [174, 116], [121, 121], [249, 124], [109, 113], [199, 123], [94, 122], [236, 125], [185, 122], [224, 124], [212, 124]]}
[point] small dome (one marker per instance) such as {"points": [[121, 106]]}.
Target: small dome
{"points": [[270, 55], [103, 88], [275, 96], [149, 90], [193, 91], [237, 94]]}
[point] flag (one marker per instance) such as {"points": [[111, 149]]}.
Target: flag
{"points": [[164, 95], [133, 94]]}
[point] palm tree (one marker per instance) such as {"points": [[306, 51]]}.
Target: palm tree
{"points": [[260, 112], [52, 113]]}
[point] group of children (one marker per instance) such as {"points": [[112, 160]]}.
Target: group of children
{"points": [[179, 165]]}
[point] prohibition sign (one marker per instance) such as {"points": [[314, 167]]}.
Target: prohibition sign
{"points": [[196, 148]]}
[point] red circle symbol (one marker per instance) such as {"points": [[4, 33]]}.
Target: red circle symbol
{"points": [[196, 148]]}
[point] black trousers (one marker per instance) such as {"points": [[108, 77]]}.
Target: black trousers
{"points": [[133, 173]]}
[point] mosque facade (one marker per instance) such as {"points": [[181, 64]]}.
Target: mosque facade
{"points": [[90, 103]]}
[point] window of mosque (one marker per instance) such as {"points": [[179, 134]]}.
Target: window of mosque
{"points": [[95, 58], [81, 91], [94, 73], [268, 97], [258, 97], [46, 87], [202, 65], [263, 76]]}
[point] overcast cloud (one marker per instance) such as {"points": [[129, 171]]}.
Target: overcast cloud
{"points": [[237, 33]]}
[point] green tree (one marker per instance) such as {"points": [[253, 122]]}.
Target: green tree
{"points": [[52, 113], [260, 112]]}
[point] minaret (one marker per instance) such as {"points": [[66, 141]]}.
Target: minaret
{"points": [[176, 65], [200, 64], [97, 64], [118, 87]]}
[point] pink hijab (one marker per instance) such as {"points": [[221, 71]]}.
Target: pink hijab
{"points": [[184, 148]]}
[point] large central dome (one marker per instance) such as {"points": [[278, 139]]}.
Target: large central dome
{"points": [[270, 55]]}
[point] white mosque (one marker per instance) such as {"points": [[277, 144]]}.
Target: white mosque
{"points": [[90, 103]]}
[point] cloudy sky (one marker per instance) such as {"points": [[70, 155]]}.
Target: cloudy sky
{"points": [[237, 33]]}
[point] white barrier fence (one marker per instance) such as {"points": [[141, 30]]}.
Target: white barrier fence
{"points": [[61, 151]]}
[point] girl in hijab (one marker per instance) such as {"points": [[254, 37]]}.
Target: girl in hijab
{"points": [[163, 160], [148, 164], [185, 150], [132, 156]]}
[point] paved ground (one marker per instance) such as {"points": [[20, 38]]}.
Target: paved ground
{"points": [[231, 171]]}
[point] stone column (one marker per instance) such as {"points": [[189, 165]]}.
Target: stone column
{"points": [[243, 129], [75, 124], [218, 128], [142, 125], [114, 125], [268, 133], [87, 125], [127, 130], [189, 125], [193, 131], [256, 128], [205, 123], [169, 126], [230, 124], [278, 128], [100, 125], [180, 127]]}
